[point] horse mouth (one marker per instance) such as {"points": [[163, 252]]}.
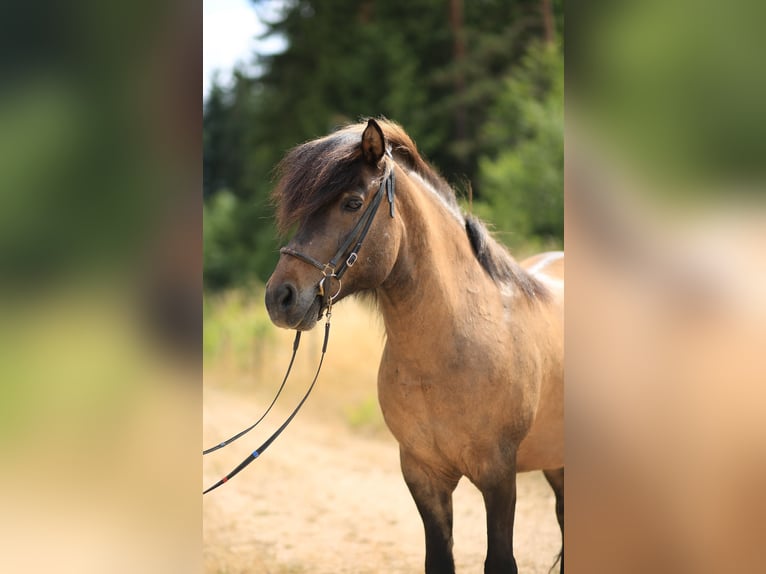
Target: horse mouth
{"points": [[311, 317], [292, 308]]}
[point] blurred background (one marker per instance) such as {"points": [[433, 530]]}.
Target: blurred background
{"points": [[101, 248], [100, 283], [666, 286]]}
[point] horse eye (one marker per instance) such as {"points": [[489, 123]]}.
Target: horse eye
{"points": [[352, 204]]}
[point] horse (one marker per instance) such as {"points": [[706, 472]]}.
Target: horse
{"points": [[470, 381]]}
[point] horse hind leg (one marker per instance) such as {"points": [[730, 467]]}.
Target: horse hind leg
{"points": [[432, 493], [556, 479]]}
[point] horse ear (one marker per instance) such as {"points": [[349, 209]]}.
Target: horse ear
{"points": [[373, 143]]}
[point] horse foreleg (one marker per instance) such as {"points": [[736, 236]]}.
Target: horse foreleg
{"points": [[556, 480], [432, 493], [499, 492]]}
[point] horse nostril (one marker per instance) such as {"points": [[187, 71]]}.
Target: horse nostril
{"points": [[286, 295]]}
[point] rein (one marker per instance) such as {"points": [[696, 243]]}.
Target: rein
{"points": [[296, 343], [259, 451], [329, 270]]}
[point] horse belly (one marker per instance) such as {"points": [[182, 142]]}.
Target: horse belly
{"points": [[543, 447]]}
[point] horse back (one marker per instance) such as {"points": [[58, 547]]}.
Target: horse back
{"points": [[546, 266]]}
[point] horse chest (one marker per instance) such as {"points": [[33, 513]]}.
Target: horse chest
{"points": [[442, 415]]}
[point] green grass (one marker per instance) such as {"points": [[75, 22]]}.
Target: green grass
{"points": [[237, 328], [365, 417]]}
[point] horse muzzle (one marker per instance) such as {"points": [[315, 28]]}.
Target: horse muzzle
{"points": [[292, 308]]}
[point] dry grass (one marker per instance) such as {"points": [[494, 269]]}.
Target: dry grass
{"points": [[246, 354]]}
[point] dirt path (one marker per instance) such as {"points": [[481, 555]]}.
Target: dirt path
{"points": [[324, 500]]}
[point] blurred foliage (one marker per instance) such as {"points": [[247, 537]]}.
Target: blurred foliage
{"points": [[238, 239], [685, 106], [365, 417], [57, 165], [522, 184], [444, 71]]}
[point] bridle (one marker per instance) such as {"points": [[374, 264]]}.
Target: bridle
{"points": [[344, 259], [331, 270]]}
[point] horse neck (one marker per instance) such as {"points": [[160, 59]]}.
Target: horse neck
{"points": [[434, 267]]}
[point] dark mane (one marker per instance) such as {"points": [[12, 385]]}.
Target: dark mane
{"points": [[498, 263], [313, 175]]}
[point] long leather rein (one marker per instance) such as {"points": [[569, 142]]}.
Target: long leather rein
{"points": [[334, 269]]}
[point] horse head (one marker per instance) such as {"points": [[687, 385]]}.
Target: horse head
{"points": [[330, 190]]}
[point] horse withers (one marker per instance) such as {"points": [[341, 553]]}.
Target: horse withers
{"points": [[471, 377]]}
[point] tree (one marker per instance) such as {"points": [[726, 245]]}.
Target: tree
{"points": [[523, 182], [429, 65]]}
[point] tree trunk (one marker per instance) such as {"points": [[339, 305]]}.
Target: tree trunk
{"points": [[548, 21], [458, 58]]}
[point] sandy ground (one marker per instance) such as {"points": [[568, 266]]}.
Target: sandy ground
{"points": [[324, 499]]}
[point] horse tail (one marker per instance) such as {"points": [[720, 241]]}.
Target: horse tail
{"points": [[559, 560]]}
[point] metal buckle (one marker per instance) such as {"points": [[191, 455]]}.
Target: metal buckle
{"points": [[351, 259], [320, 287]]}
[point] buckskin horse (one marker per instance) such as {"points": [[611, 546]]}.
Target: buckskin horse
{"points": [[470, 381]]}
